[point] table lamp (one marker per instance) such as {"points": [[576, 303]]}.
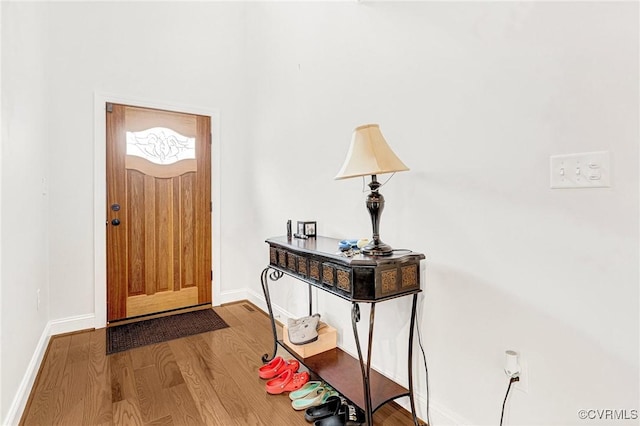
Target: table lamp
{"points": [[369, 154]]}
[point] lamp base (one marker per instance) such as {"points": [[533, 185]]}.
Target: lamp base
{"points": [[379, 249]]}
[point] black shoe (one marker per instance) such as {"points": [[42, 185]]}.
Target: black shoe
{"points": [[329, 408], [348, 415]]}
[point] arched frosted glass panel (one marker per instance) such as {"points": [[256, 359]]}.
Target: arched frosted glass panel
{"points": [[161, 145]]}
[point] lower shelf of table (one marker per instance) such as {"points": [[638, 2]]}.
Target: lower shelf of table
{"points": [[342, 371]]}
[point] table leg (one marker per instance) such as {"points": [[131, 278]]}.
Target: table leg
{"points": [[264, 279], [410, 360], [365, 369], [369, 349]]}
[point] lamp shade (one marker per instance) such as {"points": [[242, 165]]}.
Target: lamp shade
{"points": [[369, 154]]}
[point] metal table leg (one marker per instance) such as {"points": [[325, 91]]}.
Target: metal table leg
{"points": [[366, 370], [275, 275], [410, 360]]}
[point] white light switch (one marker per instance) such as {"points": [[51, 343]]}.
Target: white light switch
{"points": [[584, 170]]}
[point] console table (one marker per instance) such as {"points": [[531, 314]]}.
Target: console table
{"points": [[357, 279]]}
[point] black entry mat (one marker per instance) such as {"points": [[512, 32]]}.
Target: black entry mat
{"points": [[128, 336]]}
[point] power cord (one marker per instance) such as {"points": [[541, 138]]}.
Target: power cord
{"points": [[511, 381], [426, 371]]}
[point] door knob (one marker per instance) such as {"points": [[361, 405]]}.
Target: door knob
{"points": [[115, 222]]}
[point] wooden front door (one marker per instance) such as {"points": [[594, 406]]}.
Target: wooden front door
{"points": [[158, 211]]}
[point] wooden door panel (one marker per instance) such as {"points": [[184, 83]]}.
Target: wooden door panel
{"points": [[165, 235], [136, 253], [145, 209], [167, 225], [204, 204], [117, 256], [177, 258], [159, 302], [187, 237]]}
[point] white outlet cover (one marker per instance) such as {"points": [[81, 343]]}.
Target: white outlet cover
{"points": [[523, 384], [582, 170]]}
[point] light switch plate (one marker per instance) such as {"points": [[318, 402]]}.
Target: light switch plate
{"points": [[583, 170]]}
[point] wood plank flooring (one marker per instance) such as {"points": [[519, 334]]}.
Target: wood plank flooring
{"points": [[206, 379]]}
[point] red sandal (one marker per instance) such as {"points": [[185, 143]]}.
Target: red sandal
{"points": [[287, 382], [277, 366], [269, 370]]}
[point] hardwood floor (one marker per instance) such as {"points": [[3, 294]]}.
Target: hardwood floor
{"points": [[206, 379]]}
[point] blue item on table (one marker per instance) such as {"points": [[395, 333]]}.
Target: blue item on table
{"points": [[345, 245]]}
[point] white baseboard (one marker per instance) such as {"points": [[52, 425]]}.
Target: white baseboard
{"points": [[231, 296], [59, 326], [438, 414], [71, 324], [441, 415], [255, 298], [22, 395], [278, 313]]}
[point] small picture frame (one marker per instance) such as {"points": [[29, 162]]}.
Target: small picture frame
{"points": [[307, 228]]}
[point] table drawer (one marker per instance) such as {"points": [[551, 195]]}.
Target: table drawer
{"points": [[397, 279], [359, 278]]}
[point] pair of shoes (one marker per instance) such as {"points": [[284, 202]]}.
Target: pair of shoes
{"points": [[348, 415], [327, 409], [288, 381], [277, 366], [303, 330], [308, 388], [313, 396]]}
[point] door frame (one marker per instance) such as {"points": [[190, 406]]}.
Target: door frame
{"points": [[100, 191]]}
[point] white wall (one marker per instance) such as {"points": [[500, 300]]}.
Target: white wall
{"points": [[474, 97], [172, 54], [56, 56], [1, 139], [24, 164]]}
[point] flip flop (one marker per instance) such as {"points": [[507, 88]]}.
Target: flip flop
{"points": [[330, 392], [329, 408], [304, 403], [277, 366], [316, 398], [305, 390], [286, 382]]}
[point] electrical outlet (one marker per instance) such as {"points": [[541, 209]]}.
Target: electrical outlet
{"points": [[516, 366], [38, 300], [523, 383]]}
